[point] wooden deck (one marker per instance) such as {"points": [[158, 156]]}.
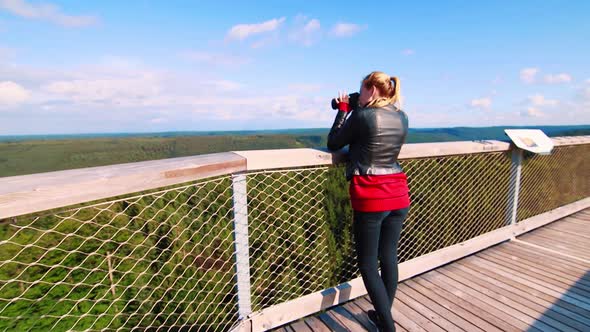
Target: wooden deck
{"points": [[537, 282]]}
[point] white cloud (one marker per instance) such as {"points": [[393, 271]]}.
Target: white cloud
{"points": [[243, 31], [158, 120], [12, 94], [346, 29], [47, 12], [483, 103], [264, 42], [532, 112], [539, 100], [306, 32], [223, 85], [6, 53], [497, 80], [557, 78], [408, 52], [215, 58], [583, 96], [123, 91], [304, 87], [527, 75]]}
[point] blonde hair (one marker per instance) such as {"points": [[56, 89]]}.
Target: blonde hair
{"points": [[388, 87]]}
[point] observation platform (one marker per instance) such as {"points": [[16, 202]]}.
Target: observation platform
{"points": [[539, 281]]}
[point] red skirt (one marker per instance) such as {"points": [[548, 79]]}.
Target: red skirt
{"points": [[375, 193]]}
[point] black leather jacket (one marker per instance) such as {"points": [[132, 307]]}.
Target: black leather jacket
{"points": [[375, 136]]}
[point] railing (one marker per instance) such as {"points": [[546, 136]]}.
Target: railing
{"points": [[254, 239]]}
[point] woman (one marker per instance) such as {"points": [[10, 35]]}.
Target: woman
{"points": [[378, 189]]}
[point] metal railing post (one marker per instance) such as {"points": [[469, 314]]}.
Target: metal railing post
{"points": [[514, 189], [240, 201]]}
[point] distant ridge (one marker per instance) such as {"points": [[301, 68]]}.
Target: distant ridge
{"points": [[444, 133]]}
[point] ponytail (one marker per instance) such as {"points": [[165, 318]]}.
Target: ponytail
{"points": [[396, 98]]}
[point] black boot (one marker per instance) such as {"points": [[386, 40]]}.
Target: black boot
{"points": [[375, 320]]}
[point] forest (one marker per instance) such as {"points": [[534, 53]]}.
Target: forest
{"points": [[165, 258], [21, 155]]}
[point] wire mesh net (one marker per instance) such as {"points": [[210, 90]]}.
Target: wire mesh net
{"points": [[550, 181], [290, 249], [165, 260], [300, 220], [454, 199], [156, 261]]}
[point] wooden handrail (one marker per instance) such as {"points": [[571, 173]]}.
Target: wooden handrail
{"points": [[43, 191]]}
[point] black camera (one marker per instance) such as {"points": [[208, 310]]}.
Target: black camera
{"points": [[353, 101]]}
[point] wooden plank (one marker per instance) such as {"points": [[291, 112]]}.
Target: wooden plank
{"points": [[582, 218], [38, 192], [541, 313], [289, 158], [566, 264], [491, 287], [331, 323], [538, 274], [582, 215], [578, 222], [565, 229], [563, 235], [285, 312], [550, 242], [570, 140], [585, 215], [347, 319], [542, 269], [401, 320], [416, 317], [426, 311], [571, 262], [570, 221], [482, 319], [489, 279], [479, 302], [360, 315], [315, 324], [519, 287], [492, 299], [539, 285], [300, 326], [561, 271], [567, 248], [289, 311], [419, 265], [553, 233], [563, 290], [458, 316], [552, 251], [422, 150]]}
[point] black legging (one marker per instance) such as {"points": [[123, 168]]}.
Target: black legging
{"points": [[376, 237]]}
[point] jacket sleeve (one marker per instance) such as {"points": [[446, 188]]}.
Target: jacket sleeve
{"points": [[343, 131]]}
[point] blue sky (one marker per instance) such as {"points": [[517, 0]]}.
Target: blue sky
{"points": [[141, 66]]}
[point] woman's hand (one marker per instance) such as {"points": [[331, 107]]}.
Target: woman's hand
{"points": [[343, 101], [343, 97]]}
